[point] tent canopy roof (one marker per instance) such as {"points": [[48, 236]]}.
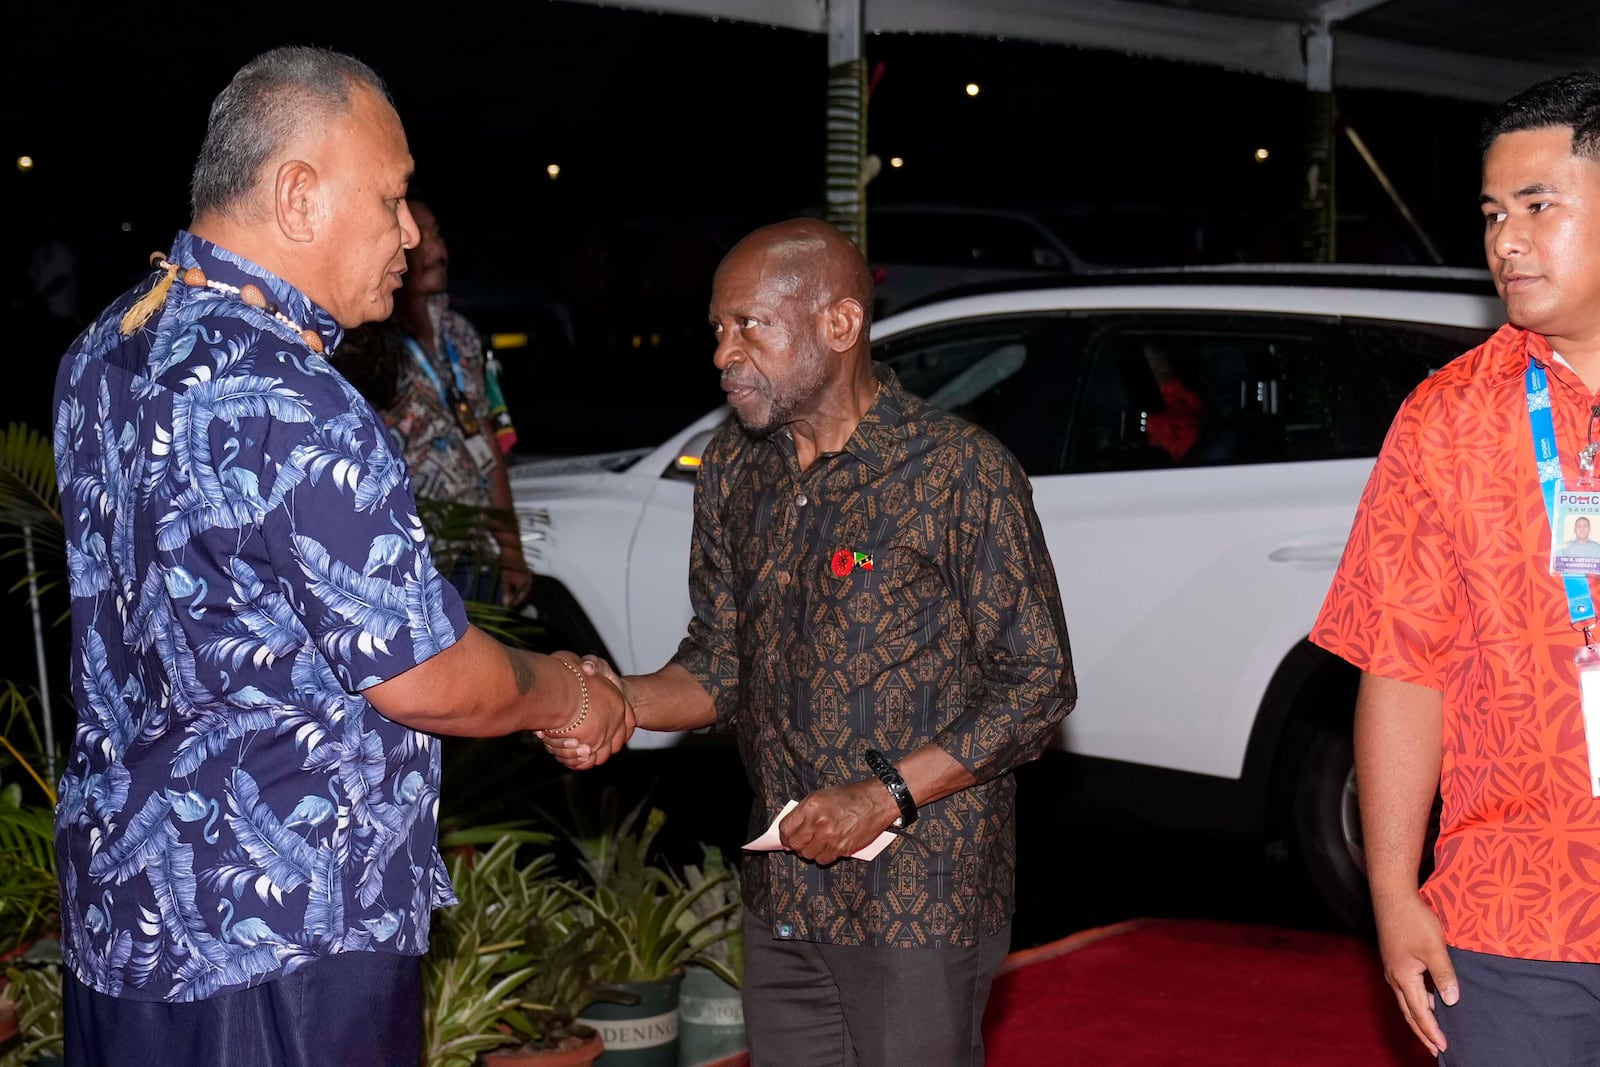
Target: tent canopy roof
{"points": [[1483, 50]]}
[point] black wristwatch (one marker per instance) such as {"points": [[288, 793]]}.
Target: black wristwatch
{"points": [[895, 784]]}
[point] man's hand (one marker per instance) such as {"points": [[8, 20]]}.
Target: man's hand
{"points": [[835, 822], [669, 699], [595, 666], [1411, 943], [604, 730], [566, 747]]}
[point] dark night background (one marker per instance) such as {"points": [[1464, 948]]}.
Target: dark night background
{"points": [[674, 136]]}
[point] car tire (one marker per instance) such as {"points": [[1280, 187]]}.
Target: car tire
{"points": [[1325, 800], [560, 621], [1327, 825]]}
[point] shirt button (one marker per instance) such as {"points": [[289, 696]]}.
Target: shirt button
{"points": [[801, 500], [784, 930]]}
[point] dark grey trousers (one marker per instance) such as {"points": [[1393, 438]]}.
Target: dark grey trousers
{"points": [[811, 1005], [1530, 1013]]}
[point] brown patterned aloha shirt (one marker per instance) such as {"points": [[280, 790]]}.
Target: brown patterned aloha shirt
{"points": [[897, 593], [421, 421]]}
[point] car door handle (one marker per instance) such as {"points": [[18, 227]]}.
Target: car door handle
{"points": [[1328, 553]]}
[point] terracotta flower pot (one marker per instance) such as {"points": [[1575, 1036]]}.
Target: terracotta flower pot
{"points": [[577, 1056], [8, 1020]]}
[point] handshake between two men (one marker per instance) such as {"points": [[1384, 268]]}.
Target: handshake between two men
{"points": [[824, 825], [602, 723]]}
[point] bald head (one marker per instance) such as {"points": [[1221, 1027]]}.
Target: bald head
{"points": [[789, 307], [809, 260]]}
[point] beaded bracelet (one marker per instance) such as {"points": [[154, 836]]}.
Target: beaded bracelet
{"points": [[583, 710]]}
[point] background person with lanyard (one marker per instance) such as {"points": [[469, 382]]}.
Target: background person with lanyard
{"points": [[445, 415]]}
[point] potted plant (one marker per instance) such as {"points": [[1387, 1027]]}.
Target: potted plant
{"points": [[28, 890], [31, 1002], [30, 957], [646, 927], [31, 1025], [653, 934], [501, 972], [562, 955], [710, 1011]]}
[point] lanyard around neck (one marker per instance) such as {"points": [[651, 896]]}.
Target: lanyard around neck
{"points": [[426, 364], [1580, 602]]}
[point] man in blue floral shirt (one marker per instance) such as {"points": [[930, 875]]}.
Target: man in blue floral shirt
{"points": [[263, 649]]}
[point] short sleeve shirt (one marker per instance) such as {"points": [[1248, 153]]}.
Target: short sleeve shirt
{"points": [[245, 558], [1446, 583], [424, 425], [895, 594]]}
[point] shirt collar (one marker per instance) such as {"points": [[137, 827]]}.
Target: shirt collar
{"points": [[884, 422], [221, 265], [1508, 351]]}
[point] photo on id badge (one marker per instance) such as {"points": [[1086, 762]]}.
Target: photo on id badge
{"points": [[1576, 547]]}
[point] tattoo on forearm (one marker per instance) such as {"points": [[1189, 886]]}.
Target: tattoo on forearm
{"points": [[521, 669]]}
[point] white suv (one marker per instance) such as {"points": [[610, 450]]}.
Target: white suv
{"points": [[1197, 440]]}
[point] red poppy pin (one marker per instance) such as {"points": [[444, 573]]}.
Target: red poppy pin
{"points": [[845, 561]]}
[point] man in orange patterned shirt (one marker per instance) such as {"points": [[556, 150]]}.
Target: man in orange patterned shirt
{"points": [[1446, 601]]}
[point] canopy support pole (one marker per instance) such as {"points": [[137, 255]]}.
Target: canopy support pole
{"points": [[844, 190]]}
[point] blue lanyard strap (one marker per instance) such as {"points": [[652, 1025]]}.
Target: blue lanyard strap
{"points": [[433, 375], [1580, 603]]}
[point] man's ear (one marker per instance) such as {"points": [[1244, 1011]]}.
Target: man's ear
{"points": [[294, 200], [845, 319]]}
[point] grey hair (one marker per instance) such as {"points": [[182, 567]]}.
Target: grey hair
{"points": [[270, 100]]}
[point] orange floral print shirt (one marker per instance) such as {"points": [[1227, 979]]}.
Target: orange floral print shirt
{"points": [[1446, 583]]}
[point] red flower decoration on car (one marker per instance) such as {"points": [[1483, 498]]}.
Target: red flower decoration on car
{"points": [[844, 561]]}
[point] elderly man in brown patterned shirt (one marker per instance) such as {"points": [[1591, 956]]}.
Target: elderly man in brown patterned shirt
{"points": [[877, 619]]}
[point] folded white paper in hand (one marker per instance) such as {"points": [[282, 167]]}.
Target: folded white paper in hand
{"points": [[770, 842]]}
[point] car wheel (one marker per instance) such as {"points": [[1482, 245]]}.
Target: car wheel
{"points": [[560, 623], [1327, 823]]}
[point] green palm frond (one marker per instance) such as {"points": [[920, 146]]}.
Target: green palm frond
{"points": [[463, 537], [27, 868], [17, 718], [27, 824], [501, 623], [460, 532], [30, 505], [28, 494]]}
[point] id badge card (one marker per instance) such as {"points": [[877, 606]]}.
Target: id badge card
{"points": [[1575, 544], [1588, 660], [482, 453]]}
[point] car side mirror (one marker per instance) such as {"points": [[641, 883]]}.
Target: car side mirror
{"points": [[686, 464]]}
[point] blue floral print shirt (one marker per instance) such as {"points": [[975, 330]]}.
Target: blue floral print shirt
{"points": [[245, 557]]}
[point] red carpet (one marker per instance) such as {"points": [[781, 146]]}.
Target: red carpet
{"points": [[1200, 994]]}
